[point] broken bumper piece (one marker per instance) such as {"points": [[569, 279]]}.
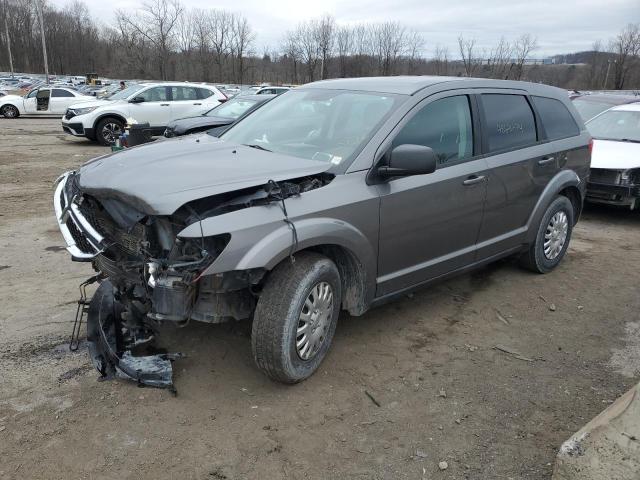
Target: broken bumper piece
{"points": [[112, 356]]}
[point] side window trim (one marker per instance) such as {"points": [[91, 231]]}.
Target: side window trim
{"points": [[541, 133]]}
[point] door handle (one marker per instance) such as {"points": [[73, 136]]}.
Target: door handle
{"points": [[164, 104], [546, 160], [473, 179], [197, 104]]}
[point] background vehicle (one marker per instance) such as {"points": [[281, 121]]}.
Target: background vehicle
{"points": [[41, 101], [338, 195], [153, 103], [593, 104], [271, 90], [217, 118], [615, 160]]}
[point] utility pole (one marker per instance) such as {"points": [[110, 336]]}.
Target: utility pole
{"points": [[44, 43], [606, 77], [6, 31]]}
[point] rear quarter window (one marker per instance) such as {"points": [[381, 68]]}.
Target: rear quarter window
{"points": [[556, 119], [509, 121]]}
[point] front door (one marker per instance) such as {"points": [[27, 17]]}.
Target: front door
{"points": [[429, 224], [31, 102]]}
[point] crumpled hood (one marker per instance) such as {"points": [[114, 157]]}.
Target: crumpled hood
{"points": [[160, 177], [183, 124], [615, 155]]}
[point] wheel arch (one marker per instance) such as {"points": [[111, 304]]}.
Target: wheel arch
{"points": [[102, 116], [12, 104], [566, 183]]}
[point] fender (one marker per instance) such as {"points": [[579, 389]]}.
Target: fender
{"points": [[13, 103], [562, 180], [105, 115]]}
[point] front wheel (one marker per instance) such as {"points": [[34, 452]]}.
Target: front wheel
{"points": [[9, 111], [108, 130], [552, 238], [296, 317]]}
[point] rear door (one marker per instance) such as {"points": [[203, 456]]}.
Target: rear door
{"points": [[156, 108], [185, 102], [521, 165], [429, 224], [60, 100]]}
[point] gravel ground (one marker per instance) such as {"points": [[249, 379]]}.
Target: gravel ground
{"points": [[442, 391]]}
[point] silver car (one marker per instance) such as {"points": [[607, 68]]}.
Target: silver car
{"points": [[338, 195]]}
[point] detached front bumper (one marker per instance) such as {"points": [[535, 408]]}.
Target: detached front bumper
{"points": [[82, 239], [621, 195]]}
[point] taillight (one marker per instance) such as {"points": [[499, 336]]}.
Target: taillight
{"points": [[590, 146]]}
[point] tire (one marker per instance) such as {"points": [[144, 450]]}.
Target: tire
{"points": [[106, 131], [9, 111], [541, 258], [280, 311]]}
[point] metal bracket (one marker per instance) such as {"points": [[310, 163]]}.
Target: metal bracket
{"points": [[81, 310]]}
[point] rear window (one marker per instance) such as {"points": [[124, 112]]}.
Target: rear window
{"points": [[510, 121], [556, 119]]}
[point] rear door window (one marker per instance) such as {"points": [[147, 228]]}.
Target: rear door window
{"points": [[509, 121], [180, 94], [443, 125], [58, 92], [556, 119]]}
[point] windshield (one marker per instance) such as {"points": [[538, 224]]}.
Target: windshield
{"points": [[126, 93], [326, 125], [232, 108], [616, 125], [589, 109]]}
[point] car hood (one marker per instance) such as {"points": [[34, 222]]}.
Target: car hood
{"points": [[158, 178], [92, 102], [183, 124], [615, 155], [12, 98]]}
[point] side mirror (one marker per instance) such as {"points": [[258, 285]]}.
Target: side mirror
{"points": [[406, 160], [137, 100]]}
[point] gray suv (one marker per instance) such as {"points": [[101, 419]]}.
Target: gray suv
{"points": [[334, 196]]}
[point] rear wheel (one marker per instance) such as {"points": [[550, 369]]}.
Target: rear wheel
{"points": [[9, 111], [108, 130], [296, 317], [552, 238]]}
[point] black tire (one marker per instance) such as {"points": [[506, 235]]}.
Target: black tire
{"points": [[102, 128], [9, 111], [276, 319], [535, 259]]}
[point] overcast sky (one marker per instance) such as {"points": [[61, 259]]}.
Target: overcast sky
{"points": [[561, 26]]}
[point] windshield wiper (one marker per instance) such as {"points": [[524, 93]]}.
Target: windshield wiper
{"points": [[257, 147]]}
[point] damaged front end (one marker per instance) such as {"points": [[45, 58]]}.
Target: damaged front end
{"points": [[150, 276]]}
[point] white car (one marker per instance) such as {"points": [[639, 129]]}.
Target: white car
{"points": [[45, 100], [154, 103], [615, 158]]}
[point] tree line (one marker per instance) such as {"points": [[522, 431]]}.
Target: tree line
{"points": [[164, 40]]}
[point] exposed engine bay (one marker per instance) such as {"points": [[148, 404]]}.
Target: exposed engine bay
{"points": [[149, 275]]}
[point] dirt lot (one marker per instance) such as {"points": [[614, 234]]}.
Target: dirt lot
{"points": [[444, 392]]}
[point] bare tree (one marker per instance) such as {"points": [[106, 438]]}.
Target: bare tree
{"points": [[467, 52], [156, 21], [441, 60], [522, 48], [414, 46], [626, 48], [344, 48], [500, 59], [242, 42], [325, 36]]}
